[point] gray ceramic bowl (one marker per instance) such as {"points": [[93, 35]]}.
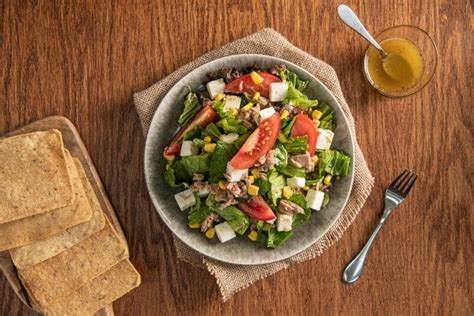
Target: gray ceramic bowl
{"points": [[239, 250]]}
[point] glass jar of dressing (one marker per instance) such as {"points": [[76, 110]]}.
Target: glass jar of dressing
{"points": [[411, 71]]}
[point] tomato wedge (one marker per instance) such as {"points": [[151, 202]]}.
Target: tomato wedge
{"points": [[257, 209], [204, 117], [245, 84], [304, 126], [258, 144]]}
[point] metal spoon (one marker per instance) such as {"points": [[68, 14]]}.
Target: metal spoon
{"points": [[394, 65]]}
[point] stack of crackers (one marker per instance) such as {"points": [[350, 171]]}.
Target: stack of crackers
{"points": [[69, 257]]}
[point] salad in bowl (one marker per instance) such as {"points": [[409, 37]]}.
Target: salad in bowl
{"points": [[253, 156]]}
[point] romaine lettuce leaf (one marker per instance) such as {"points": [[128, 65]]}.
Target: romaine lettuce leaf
{"points": [[212, 131], [292, 171], [287, 129], [293, 79], [297, 145], [277, 183], [334, 162], [326, 120], [276, 238], [301, 201], [264, 186], [180, 172], [298, 98], [198, 213], [229, 123], [199, 143], [235, 217], [196, 164], [170, 178], [281, 155], [223, 153], [194, 133], [191, 107]]}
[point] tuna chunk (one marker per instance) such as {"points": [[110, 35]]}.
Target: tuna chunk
{"points": [[287, 207], [302, 161]]}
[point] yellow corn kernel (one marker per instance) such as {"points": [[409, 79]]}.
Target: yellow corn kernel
{"points": [[284, 114], [251, 179], [287, 192], [169, 157], [194, 225], [222, 184], [255, 172], [327, 179], [209, 148], [266, 227], [256, 78], [256, 96], [210, 233], [219, 97], [234, 112], [253, 235], [247, 107], [306, 188], [207, 139], [253, 190], [316, 123], [316, 115], [315, 160]]}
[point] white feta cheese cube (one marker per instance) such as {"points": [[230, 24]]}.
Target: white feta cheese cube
{"points": [[231, 102], [266, 113], [203, 192], [188, 149], [236, 174], [315, 199], [224, 232], [215, 87], [296, 182], [229, 138], [284, 222], [278, 91], [325, 138], [185, 199]]}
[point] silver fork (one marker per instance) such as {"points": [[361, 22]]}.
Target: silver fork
{"points": [[394, 196]]}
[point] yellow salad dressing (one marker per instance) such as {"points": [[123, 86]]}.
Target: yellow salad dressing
{"points": [[406, 70]]}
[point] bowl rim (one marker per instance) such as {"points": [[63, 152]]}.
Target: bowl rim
{"points": [[155, 121], [392, 96]]}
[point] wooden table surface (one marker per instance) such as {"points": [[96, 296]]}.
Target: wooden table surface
{"points": [[85, 59]]}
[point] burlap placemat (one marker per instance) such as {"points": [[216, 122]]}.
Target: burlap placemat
{"points": [[232, 278]]}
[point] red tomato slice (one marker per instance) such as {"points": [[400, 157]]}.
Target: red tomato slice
{"points": [[258, 144], [257, 209], [246, 84], [304, 126], [205, 116]]}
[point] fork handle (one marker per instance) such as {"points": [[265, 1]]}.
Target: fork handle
{"points": [[354, 268]]}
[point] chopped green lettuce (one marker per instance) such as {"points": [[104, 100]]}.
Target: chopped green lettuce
{"points": [[301, 201], [229, 123], [264, 186], [191, 107], [334, 162], [298, 98], [287, 129], [212, 131], [293, 79], [170, 178], [281, 156], [297, 145], [292, 171], [196, 164], [179, 171], [235, 217], [276, 238], [198, 213], [199, 143], [277, 183], [326, 120], [223, 153], [194, 133]]}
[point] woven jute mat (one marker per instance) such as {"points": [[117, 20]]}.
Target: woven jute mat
{"points": [[232, 278]]}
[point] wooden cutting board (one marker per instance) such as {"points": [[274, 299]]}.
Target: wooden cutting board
{"points": [[73, 142]]}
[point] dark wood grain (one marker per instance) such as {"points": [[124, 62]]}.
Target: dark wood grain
{"points": [[84, 59]]}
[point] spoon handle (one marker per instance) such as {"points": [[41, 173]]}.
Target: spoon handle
{"points": [[350, 18]]}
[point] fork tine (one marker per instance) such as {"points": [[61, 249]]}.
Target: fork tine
{"points": [[410, 184], [395, 183], [405, 180]]}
